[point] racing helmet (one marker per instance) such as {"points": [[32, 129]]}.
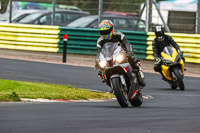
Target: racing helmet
{"points": [[159, 32], [106, 29]]}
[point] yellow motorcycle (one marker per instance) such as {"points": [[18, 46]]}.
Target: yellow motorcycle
{"points": [[173, 68]]}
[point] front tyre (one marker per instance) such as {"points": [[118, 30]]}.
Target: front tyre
{"points": [[120, 93], [179, 79]]}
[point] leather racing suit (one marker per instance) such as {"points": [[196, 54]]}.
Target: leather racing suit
{"points": [[158, 47], [120, 37]]}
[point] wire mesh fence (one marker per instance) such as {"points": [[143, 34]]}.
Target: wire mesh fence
{"points": [[180, 17]]}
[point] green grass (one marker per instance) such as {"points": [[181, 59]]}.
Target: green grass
{"points": [[14, 90]]}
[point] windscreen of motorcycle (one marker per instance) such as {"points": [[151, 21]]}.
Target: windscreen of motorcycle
{"points": [[168, 50], [108, 49]]}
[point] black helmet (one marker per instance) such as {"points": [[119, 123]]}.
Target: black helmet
{"points": [[159, 31]]}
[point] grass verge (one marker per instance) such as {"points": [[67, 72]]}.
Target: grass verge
{"points": [[14, 90]]}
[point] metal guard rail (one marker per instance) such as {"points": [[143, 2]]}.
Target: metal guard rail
{"points": [[83, 41]]}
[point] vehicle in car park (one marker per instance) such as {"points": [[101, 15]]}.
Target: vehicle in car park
{"points": [[21, 5], [133, 14], [44, 17], [16, 15], [120, 22]]}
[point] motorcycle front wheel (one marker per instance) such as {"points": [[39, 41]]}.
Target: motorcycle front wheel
{"points": [[179, 79], [120, 93]]}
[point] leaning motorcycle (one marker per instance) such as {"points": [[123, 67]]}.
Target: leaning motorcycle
{"points": [[173, 68], [117, 73]]}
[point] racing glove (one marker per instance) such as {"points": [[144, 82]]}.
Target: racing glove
{"points": [[158, 60], [179, 51], [129, 54]]}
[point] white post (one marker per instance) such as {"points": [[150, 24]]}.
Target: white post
{"points": [[147, 15], [100, 10], [53, 11], [198, 18], [166, 27], [10, 12]]}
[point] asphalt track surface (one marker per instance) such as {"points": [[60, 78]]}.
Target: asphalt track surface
{"points": [[167, 110]]}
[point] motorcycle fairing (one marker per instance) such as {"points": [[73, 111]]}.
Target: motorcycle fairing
{"points": [[182, 66], [165, 72], [170, 54]]}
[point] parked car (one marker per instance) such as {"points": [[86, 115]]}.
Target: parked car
{"points": [[21, 5], [133, 14], [16, 15], [120, 22], [44, 17]]}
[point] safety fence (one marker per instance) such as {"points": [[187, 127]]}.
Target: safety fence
{"points": [[29, 37], [83, 41]]}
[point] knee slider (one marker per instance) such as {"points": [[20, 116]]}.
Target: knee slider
{"points": [[157, 68]]}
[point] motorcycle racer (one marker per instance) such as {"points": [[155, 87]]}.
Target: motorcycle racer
{"points": [[159, 43], [106, 30]]}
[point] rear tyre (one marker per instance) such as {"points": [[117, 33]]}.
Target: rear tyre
{"points": [[179, 79], [120, 93], [137, 100]]}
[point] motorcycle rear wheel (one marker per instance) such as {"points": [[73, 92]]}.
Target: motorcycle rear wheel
{"points": [[179, 79], [120, 93]]}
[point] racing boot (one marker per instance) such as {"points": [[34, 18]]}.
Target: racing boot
{"points": [[139, 73], [136, 68], [101, 76], [162, 76], [140, 78]]}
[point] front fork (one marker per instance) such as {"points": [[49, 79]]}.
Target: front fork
{"points": [[173, 76]]}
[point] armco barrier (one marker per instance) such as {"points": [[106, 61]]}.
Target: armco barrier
{"points": [[83, 41], [50, 39], [80, 41], [29, 37], [189, 44]]}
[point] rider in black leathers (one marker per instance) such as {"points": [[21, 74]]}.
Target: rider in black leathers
{"points": [[162, 40], [108, 34]]}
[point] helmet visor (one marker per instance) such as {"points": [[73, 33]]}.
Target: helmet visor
{"points": [[106, 36], [159, 34], [106, 32]]}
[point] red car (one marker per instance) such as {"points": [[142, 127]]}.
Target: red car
{"points": [[121, 13]]}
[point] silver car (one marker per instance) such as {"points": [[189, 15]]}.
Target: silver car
{"points": [[44, 17], [120, 22], [16, 15]]}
